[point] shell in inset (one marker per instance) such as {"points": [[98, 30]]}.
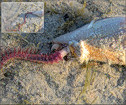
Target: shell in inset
{"points": [[38, 13]]}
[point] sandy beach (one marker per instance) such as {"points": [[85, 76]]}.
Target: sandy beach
{"points": [[66, 82]]}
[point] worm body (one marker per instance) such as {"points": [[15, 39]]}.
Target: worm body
{"points": [[31, 55]]}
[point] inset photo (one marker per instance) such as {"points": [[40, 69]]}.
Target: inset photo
{"points": [[22, 17]]}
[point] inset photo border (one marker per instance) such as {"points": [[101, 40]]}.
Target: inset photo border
{"points": [[22, 17]]}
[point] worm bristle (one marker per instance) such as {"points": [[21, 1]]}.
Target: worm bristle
{"points": [[14, 53], [19, 51], [35, 51], [31, 51], [26, 51]]}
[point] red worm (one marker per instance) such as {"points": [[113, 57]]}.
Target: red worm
{"points": [[20, 25], [30, 55]]}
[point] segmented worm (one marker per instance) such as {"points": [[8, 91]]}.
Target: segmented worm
{"points": [[31, 55]]}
